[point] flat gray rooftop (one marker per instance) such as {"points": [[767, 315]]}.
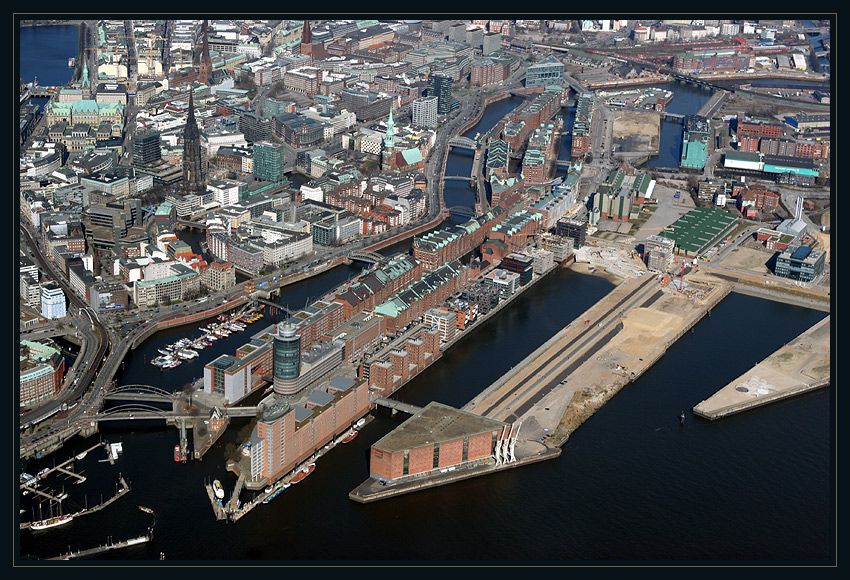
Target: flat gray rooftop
{"points": [[435, 423]]}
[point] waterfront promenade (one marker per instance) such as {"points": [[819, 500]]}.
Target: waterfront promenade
{"points": [[798, 367]]}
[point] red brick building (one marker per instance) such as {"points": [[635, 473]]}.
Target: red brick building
{"points": [[377, 286], [761, 130], [387, 376], [756, 197], [288, 434], [437, 438]]}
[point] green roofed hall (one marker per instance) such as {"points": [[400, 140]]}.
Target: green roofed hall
{"points": [[699, 229]]}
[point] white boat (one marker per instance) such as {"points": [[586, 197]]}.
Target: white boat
{"points": [[359, 423], [219, 491], [82, 455], [50, 522]]}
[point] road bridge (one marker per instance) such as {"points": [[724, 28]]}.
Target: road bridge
{"points": [[462, 210], [139, 411], [367, 256], [189, 224], [464, 142], [140, 393], [464, 177]]}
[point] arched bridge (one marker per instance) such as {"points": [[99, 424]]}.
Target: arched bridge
{"points": [[462, 142], [140, 393], [135, 411], [367, 256], [139, 411]]}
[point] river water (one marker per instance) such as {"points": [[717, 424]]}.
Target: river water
{"points": [[631, 485]]}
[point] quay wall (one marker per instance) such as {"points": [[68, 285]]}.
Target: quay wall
{"points": [[371, 491], [759, 402], [799, 366]]}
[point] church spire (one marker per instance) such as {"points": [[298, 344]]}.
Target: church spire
{"points": [[205, 65], [193, 174], [306, 35], [389, 140]]}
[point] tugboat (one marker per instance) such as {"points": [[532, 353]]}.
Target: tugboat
{"points": [[177, 454], [350, 437]]}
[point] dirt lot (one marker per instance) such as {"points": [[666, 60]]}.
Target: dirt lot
{"points": [[748, 259], [637, 131]]}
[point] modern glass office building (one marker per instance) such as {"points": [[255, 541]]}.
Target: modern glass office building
{"points": [[549, 71], [287, 353]]}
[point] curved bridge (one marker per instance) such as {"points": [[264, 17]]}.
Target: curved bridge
{"points": [[465, 142], [137, 411], [139, 393], [367, 256]]}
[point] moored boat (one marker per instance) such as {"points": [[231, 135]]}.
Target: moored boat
{"points": [[304, 472], [276, 492], [219, 491], [350, 437], [177, 453], [51, 522]]}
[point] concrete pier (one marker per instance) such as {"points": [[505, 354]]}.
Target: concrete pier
{"points": [[105, 547], [568, 378], [798, 367]]}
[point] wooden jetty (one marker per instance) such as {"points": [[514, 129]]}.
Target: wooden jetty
{"points": [[218, 508]]}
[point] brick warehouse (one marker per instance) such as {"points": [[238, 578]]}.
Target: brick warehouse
{"points": [[437, 437], [289, 432]]}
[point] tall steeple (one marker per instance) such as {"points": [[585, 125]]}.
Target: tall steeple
{"points": [[193, 179], [306, 35], [389, 139], [205, 66]]}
